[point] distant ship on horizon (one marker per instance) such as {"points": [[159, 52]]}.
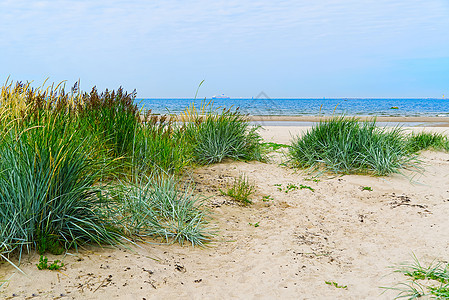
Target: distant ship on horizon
{"points": [[222, 96]]}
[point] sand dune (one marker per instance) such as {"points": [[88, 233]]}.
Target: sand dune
{"points": [[338, 232]]}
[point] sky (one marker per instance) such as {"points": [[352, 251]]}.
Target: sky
{"points": [[286, 49]]}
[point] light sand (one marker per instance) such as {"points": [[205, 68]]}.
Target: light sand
{"points": [[336, 233]]}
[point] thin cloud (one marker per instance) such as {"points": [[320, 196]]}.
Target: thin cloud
{"points": [[330, 34]]}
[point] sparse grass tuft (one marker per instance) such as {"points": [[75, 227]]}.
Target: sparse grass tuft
{"points": [[157, 207], [432, 281], [241, 190], [338, 286], [292, 187], [312, 179]]}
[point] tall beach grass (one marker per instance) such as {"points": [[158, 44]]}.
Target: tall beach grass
{"points": [[49, 184], [160, 145], [113, 116], [346, 146]]}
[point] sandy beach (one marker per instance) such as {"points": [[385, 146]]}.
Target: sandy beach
{"points": [[303, 238], [224, 150]]}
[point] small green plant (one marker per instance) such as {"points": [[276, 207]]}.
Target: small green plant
{"points": [[279, 186], [241, 189], [267, 198], [430, 281], [333, 283], [255, 224], [274, 146], [302, 186], [290, 187], [367, 188], [312, 179], [43, 264]]}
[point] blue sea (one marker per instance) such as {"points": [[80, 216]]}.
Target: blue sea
{"points": [[310, 107]]}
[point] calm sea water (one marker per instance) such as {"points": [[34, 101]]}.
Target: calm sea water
{"points": [[311, 107]]}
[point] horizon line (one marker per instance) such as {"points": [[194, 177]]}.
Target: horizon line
{"points": [[298, 98]]}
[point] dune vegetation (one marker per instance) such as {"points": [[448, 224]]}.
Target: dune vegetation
{"points": [[91, 167], [349, 146]]}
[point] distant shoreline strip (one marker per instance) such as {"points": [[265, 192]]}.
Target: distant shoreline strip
{"points": [[418, 121], [309, 120]]}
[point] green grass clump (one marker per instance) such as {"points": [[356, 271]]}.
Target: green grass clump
{"points": [[348, 146], [427, 140], [228, 134], [241, 190], [157, 207], [48, 243], [49, 181], [431, 281]]}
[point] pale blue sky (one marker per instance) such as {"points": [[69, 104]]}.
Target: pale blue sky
{"points": [[320, 48]]}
